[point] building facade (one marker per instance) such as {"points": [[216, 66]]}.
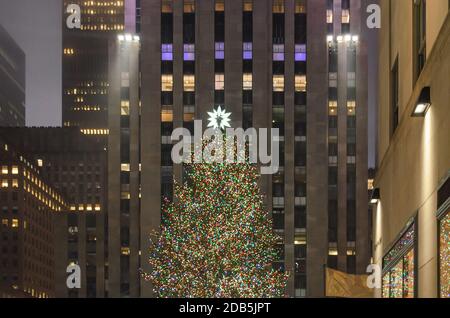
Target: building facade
{"points": [[30, 209], [296, 65], [76, 167], [411, 219], [12, 77]]}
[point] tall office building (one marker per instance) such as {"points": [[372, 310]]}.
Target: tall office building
{"points": [[85, 61], [12, 79], [411, 221], [296, 65], [30, 208], [76, 167]]}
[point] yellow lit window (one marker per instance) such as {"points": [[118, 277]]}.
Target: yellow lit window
{"points": [[278, 83], [189, 83], [80, 207], [351, 108], [125, 167], [220, 5], [40, 162], [300, 83], [329, 16], [167, 83], [15, 223], [248, 81], [125, 195], [345, 16], [125, 108], [5, 183], [89, 207], [5, 222], [220, 82], [5, 170], [332, 251], [300, 6], [189, 6], [332, 108], [15, 183], [125, 251], [248, 5], [97, 207], [188, 117], [278, 6], [73, 208], [166, 6], [167, 116]]}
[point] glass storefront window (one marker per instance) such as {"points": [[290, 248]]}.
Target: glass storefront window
{"points": [[444, 256]]}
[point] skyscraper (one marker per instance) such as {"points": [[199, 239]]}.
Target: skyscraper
{"points": [[296, 65], [12, 77]]}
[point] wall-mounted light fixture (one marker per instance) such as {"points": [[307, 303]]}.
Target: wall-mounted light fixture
{"points": [[375, 196], [423, 103]]}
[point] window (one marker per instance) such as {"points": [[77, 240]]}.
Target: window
{"points": [[351, 79], [14, 223], [300, 83], [444, 255], [5, 170], [167, 83], [220, 5], [351, 108], [247, 51], [15, 183], [166, 116], [332, 79], [220, 51], [278, 52], [125, 79], [248, 5], [278, 83], [332, 108], [189, 52], [300, 52], [278, 6], [125, 108], [329, 16], [247, 81], [166, 52], [220, 82], [345, 16], [189, 6], [399, 267], [189, 83], [166, 6], [394, 97], [420, 36], [15, 170], [300, 6], [5, 183]]}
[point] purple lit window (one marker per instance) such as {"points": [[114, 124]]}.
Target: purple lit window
{"points": [[220, 51], [248, 51], [300, 53], [278, 52], [166, 52], [189, 52]]}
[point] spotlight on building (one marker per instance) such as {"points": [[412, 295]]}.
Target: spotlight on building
{"points": [[128, 37], [348, 38], [375, 196], [423, 103], [136, 38], [355, 39], [330, 39], [121, 37], [340, 38]]}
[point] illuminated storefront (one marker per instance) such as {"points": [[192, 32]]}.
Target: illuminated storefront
{"points": [[444, 254]]}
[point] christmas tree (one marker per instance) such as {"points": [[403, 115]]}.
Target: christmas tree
{"points": [[216, 238]]}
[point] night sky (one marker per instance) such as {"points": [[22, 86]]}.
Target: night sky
{"points": [[36, 27]]}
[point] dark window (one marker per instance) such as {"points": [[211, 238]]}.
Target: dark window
{"points": [[394, 97], [420, 30]]}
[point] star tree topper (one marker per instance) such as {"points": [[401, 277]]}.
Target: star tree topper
{"points": [[219, 118]]}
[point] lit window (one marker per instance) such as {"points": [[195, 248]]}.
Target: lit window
{"points": [[248, 81], [167, 83], [166, 6], [220, 5], [125, 167], [278, 52], [40, 163], [125, 195], [5, 222], [332, 80], [248, 5], [125, 77], [351, 79], [329, 16], [300, 83], [80, 207], [166, 52], [444, 255], [220, 51], [189, 52], [345, 16], [5, 170], [15, 183], [15, 223], [247, 51], [332, 108], [15, 170], [351, 108], [166, 116], [278, 6], [97, 207], [189, 6], [300, 52], [300, 6], [220, 82], [5, 183], [125, 250], [278, 83], [189, 83], [125, 108]]}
